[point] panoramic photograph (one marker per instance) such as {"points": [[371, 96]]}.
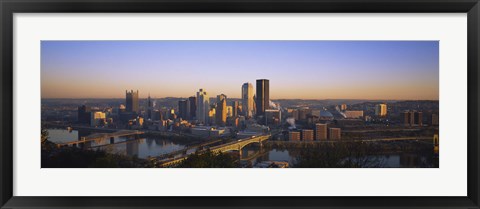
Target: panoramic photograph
{"points": [[239, 104]]}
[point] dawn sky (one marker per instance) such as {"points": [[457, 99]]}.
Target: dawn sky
{"points": [[296, 69]]}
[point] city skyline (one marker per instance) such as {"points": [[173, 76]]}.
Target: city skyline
{"points": [[368, 70]]}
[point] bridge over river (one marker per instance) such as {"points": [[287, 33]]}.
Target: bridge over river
{"points": [[231, 146], [102, 136]]}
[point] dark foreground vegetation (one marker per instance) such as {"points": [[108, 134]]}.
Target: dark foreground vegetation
{"points": [[73, 157], [209, 159]]}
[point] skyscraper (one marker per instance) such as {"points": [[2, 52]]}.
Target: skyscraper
{"points": [[221, 110], [149, 107], [381, 110], [193, 107], [183, 109], [234, 108], [247, 99], [262, 96], [203, 106], [84, 114], [131, 102]]}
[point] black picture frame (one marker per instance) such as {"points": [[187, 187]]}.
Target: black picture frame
{"points": [[9, 7]]}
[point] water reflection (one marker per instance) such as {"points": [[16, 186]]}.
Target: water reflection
{"points": [[399, 160], [145, 147], [62, 135], [142, 148]]}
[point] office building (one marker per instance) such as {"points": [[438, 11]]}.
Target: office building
{"points": [[353, 113], [211, 116], [229, 111], [262, 96], [343, 107], [294, 136], [320, 131], [335, 134], [381, 110], [273, 117], [192, 101], [131, 102], [84, 114], [221, 97], [234, 109], [183, 109], [307, 135], [203, 106], [97, 118], [418, 118], [413, 118], [303, 112], [247, 99], [157, 115], [149, 107], [221, 110]]}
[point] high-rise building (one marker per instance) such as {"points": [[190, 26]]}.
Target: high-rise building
{"points": [[303, 112], [262, 96], [381, 110], [157, 115], [320, 131], [247, 99], [406, 118], [149, 107], [412, 118], [131, 102], [335, 134], [192, 107], [221, 97], [229, 111], [221, 110], [97, 118], [234, 108], [183, 109], [84, 114], [343, 107], [294, 136], [211, 116], [203, 106], [307, 135], [418, 118], [273, 117]]}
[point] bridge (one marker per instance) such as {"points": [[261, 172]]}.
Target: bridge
{"points": [[232, 146], [101, 136], [185, 150]]}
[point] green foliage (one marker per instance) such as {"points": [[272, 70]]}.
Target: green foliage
{"points": [[210, 160]]}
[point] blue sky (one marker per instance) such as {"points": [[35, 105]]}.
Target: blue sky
{"points": [[296, 69]]}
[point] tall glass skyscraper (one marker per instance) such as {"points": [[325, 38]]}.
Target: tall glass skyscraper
{"points": [[247, 99], [262, 96], [203, 106]]}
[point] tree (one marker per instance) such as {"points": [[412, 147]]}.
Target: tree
{"points": [[209, 159]]}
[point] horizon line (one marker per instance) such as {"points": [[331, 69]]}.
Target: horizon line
{"points": [[241, 98]]}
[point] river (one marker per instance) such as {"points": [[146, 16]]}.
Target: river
{"points": [[146, 147]]}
